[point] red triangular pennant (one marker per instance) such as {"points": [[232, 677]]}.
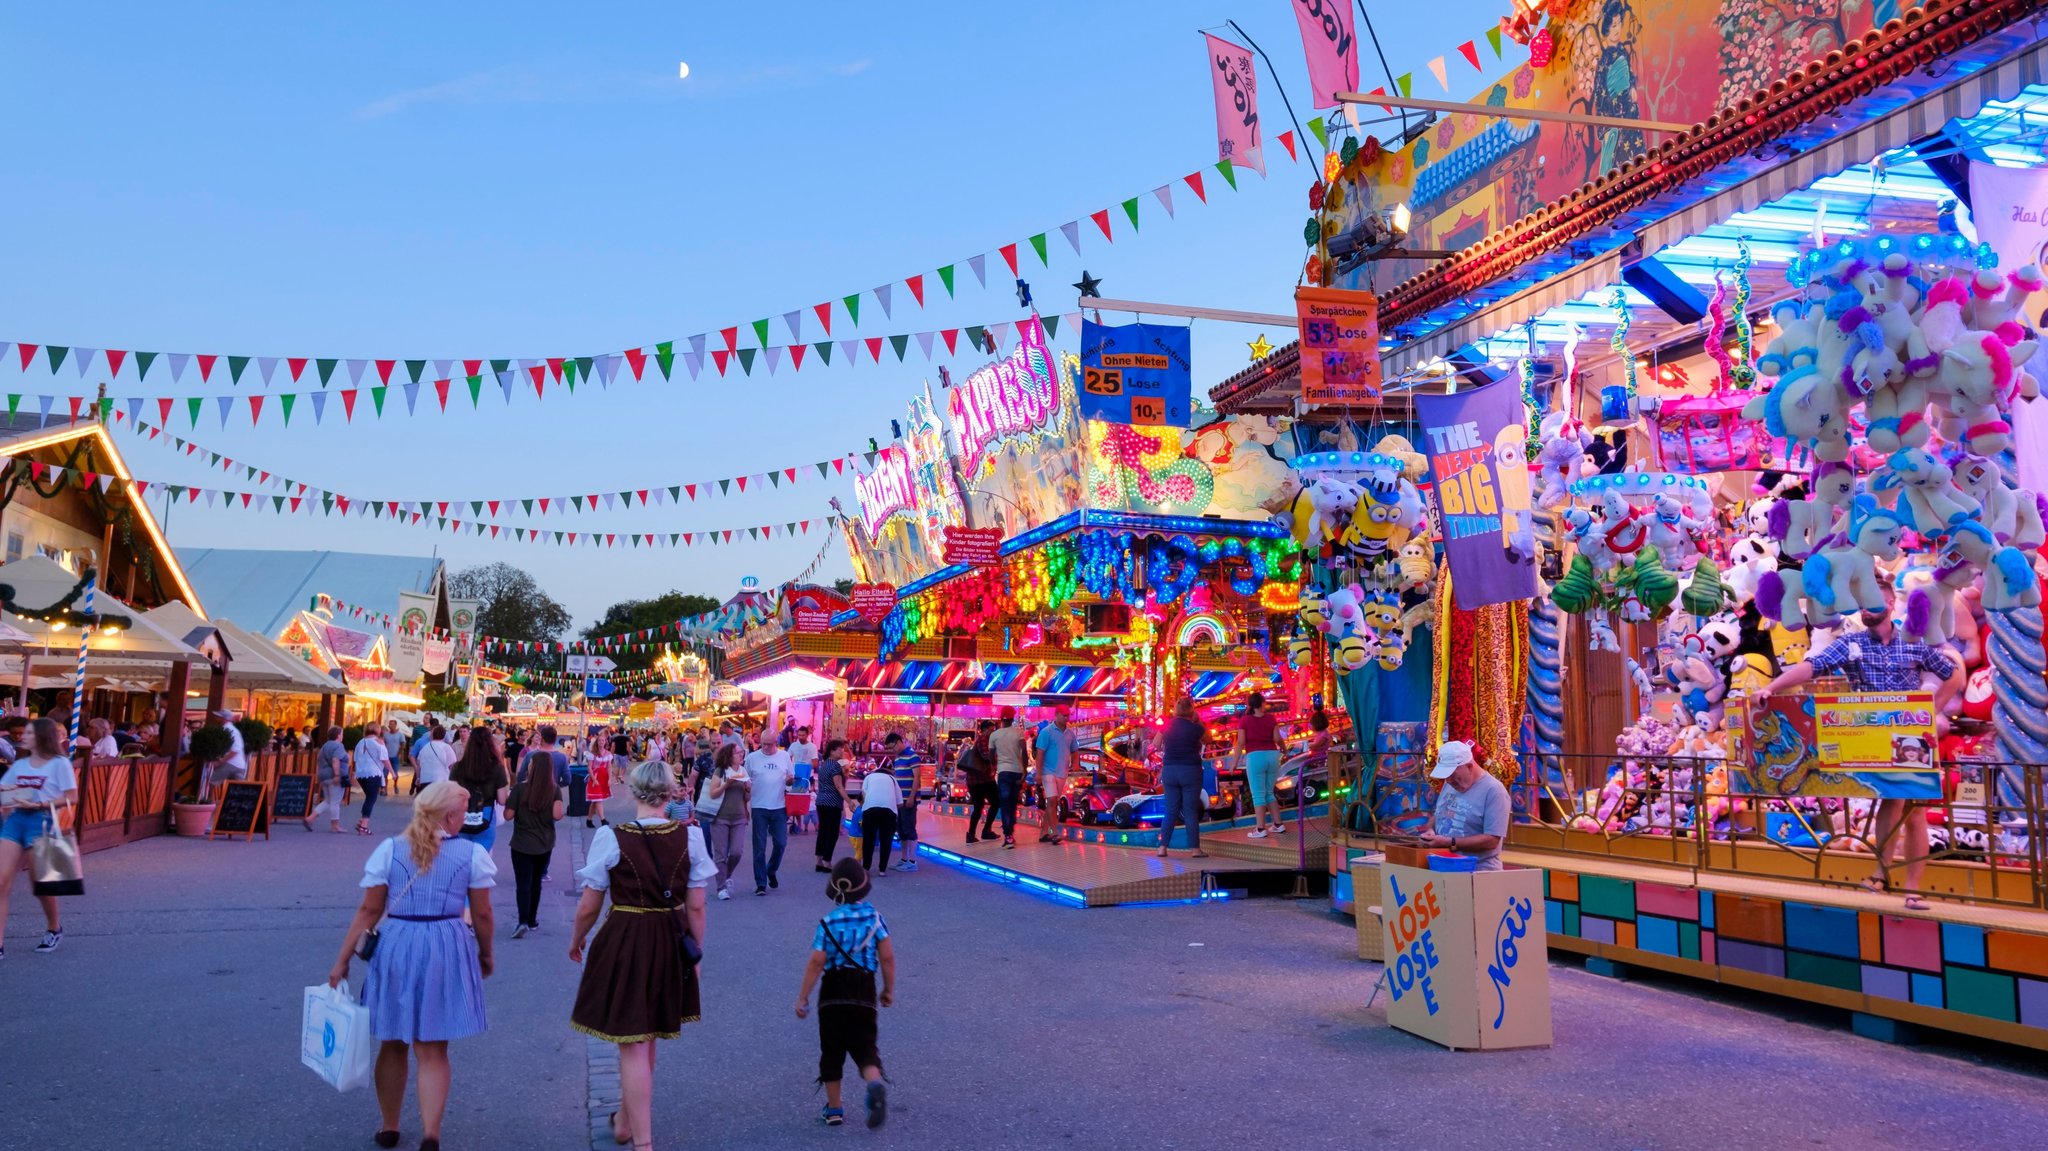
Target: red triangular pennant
{"points": [[916, 286], [297, 364], [1287, 141], [824, 312], [206, 367], [1101, 219], [1194, 180], [348, 404], [635, 359], [384, 371], [1009, 254]]}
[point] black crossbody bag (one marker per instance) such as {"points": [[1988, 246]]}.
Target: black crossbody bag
{"points": [[686, 944]]}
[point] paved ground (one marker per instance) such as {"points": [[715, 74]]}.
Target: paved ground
{"points": [[169, 1019]]}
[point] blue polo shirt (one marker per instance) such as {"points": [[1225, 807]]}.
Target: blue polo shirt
{"points": [[905, 769]]}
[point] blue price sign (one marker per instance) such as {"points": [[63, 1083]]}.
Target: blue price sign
{"points": [[1136, 374]]}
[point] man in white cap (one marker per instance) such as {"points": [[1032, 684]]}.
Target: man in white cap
{"points": [[233, 765], [1471, 811]]}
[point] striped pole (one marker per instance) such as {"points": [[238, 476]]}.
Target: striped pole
{"points": [[84, 637]]}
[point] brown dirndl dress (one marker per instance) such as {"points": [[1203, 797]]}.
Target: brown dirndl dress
{"points": [[635, 985]]}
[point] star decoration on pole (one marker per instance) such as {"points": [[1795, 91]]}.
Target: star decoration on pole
{"points": [[1260, 348], [1089, 285], [1023, 294]]}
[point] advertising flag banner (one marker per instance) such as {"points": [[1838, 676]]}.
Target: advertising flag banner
{"points": [[1479, 464], [1340, 346], [1237, 104], [1136, 374], [438, 654], [409, 643], [1332, 50], [2010, 209]]}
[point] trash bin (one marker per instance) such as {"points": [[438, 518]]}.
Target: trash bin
{"points": [[579, 776]]}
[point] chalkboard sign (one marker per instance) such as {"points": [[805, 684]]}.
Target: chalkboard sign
{"points": [[243, 810], [294, 797]]}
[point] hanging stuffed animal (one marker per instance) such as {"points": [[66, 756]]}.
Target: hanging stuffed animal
{"points": [[1800, 526], [1347, 629], [1749, 558], [1322, 509], [1842, 577], [1930, 502], [1977, 382], [1674, 532], [2013, 514], [1560, 458], [1383, 617], [1417, 566], [1698, 683]]}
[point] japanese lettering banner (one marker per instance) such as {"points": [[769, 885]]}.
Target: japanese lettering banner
{"points": [[1326, 27], [1237, 104], [1478, 460], [1136, 374]]}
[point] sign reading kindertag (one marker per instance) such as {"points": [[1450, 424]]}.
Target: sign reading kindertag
{"points": [[1340, 346], [1135, 374]]}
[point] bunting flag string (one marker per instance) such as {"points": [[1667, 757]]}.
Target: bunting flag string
{"points": [[811, 334], [418, 514], [625, 680], [492, 508], [323, 602], [1321, 127], [521, 376]]}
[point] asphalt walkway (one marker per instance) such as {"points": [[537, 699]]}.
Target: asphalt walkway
{"points": [[170, 1019]]}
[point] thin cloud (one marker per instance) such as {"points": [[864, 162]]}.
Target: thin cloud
{"points": [[567, 86]]}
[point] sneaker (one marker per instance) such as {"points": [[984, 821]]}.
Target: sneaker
{"points": [[883, 871], [1259, 834], [1279, 829], [878, 1104], [907, 865], [724, 894], [772, 883], [519, 932], [971, 838], [1009, 842], [760, 891], [834, 1116], [50, 941]]}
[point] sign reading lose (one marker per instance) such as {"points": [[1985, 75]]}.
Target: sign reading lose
{"points": [[1415, 955]]}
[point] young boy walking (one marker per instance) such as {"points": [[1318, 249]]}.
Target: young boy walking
{"points": [[849, 947]]}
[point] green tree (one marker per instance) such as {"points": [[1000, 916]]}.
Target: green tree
{"points": [[514, 608], [634, 615], [843, 586]]}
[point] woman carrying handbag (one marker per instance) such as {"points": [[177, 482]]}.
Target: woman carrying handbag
{"points": [[30, 792]]}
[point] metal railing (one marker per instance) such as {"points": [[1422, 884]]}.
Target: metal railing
{"points": [[1985, 836]]}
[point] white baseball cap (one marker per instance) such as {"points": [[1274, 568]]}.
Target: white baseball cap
{"points": [[1450, 757]]}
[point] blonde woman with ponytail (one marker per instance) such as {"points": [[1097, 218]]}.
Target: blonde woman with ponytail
{"points": [[424, 983]]}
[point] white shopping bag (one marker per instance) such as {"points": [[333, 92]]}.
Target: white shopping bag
{"points": [[335, 1039]]}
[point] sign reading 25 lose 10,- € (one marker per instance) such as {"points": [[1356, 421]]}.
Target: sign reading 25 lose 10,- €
{"points": [[1136, 374]]}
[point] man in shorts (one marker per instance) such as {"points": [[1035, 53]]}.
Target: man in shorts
{"points": [[903, 763], [1055, 747]]}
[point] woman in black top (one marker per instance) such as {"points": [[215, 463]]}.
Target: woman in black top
{"points": [[535, 805], [1180, 776], [481, 772]]}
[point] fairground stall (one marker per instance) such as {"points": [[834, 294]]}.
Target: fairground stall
{"points": [[1729, 349]]}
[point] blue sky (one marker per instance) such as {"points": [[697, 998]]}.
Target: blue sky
{"points": [[383, 180]]}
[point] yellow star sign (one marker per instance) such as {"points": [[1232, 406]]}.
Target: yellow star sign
{"points": [[1260, 348]]}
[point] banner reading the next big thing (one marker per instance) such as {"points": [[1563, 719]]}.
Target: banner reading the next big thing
{"points": [[1479, 462], [1136, 374]]}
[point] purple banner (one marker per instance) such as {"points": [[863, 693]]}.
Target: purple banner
{"points": [[1478, 460]]}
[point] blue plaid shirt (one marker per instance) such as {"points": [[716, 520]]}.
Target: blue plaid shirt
{"points": [[1873, 666], [848, 925]]}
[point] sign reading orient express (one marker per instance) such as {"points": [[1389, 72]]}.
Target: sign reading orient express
{"points": [[1013, 396], [885, 491]]}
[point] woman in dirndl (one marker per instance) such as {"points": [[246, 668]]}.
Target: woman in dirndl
{"points": [[597, 788], [425, 984], [637, 986]]}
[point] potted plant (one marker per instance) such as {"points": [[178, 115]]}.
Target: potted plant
{"points": [[256, 734], [193, 814]]}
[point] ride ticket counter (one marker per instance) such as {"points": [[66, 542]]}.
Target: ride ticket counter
{"points": [[1467, 957]]}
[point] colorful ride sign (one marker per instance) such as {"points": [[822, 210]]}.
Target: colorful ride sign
{"points": [[1340, 346], [887, 490], [978, 547], [1869, 745], [873, 601], [1136, 374], [1016, 396]]}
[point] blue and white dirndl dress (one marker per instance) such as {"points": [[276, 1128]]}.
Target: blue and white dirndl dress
{"points": [[424, 983]]}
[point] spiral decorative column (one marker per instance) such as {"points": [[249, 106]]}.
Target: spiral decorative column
{"points": [[1545, 693], [2019, 708]]}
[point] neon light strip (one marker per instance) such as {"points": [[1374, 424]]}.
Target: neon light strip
{"points": [[1057, 891]]}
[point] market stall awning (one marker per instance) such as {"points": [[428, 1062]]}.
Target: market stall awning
{"points": [[1588, 277], [255, 662], [39, 583]]}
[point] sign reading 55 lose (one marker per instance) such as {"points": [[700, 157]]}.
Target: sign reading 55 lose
{"points": [[1136, 374]]}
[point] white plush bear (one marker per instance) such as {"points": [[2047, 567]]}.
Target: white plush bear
{"points": [[1749, 558]]}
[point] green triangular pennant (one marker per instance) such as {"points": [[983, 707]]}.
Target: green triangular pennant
{"points": [[1405, 82], [900, 343], [578, 501], [974, 336], [665, 356], [761, 331], [569, 374], [476, 507], [852, 307], [192, 409], [754, 532], [945, 277], [500, 366], [1493, 40], [284, 404], [235, 366], [377, 398], [13, 403], [747, 360], [277, 504], [774, 479], [584, 366], [1131, 210], [824, 468], [529, 506], [57, 353], [413, 368], [675, 493], [1229, 173], [1315, 125], [1052, 325], [476, 390], [824, 351], [326, 368], [1038, 245], [106, 409], [724, 486], [142, 362]]}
